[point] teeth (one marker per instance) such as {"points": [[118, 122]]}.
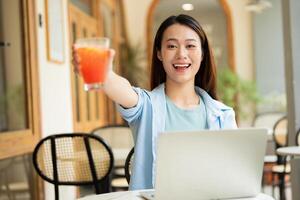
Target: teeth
{"points": [[181, 65]]}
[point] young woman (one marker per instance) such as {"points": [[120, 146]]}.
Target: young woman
{"points": [[183, 96]]}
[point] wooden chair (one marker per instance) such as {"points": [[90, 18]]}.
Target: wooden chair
{"points": [[298, 138], [268, 120], [128, 165], [282, 167], [119, 138], [74, 159], [285, 168], [13, 186]]}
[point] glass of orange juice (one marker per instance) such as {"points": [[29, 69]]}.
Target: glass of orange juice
{"points": [[93, 55]]}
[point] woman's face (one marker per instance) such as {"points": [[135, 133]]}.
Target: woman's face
{"points": [[180, 54]]}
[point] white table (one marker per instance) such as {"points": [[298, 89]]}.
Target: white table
{"points": [[295, 167], [289, 151], [135, 195]]}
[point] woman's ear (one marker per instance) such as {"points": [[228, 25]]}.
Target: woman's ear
{"points": [[159, 55]]}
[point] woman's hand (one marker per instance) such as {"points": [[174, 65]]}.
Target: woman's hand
{"points": [[111, 56]]}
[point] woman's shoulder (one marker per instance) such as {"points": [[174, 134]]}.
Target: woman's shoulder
{"points": [[142, 92], [150, 97], [217, 108], [158, 92], [210, 102], [222, 106]]}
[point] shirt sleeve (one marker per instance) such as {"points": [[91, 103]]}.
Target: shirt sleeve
{"points": [[132, 114]]}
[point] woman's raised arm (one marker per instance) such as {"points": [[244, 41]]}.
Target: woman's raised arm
{"points": [[120, 90]]}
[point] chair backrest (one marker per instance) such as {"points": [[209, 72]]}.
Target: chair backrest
{"points": [[298, 138], [116, 136], [280, 136], [267, 119], [128, 165], [73, 159], [15, 177], [280, 132]]}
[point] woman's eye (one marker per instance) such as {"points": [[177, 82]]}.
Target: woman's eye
{"points": [[190, 46], [171, 46]]}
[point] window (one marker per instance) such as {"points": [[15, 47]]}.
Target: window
{"points": [[18, 78]]}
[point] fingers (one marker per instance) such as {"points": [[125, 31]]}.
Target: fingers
{"points": [[112, 53], [76, 59]]}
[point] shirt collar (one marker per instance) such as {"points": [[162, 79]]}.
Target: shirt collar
{"points": [[215, 107]]}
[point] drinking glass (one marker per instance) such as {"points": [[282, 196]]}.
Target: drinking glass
{"points": [[93, 55]]}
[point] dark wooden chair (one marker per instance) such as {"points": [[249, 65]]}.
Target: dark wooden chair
{"points": [[268, 120], [128, 165], [74, 159], [282, 166], [298, 138]]}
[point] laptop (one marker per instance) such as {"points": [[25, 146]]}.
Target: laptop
{"points": [[218, 164]]}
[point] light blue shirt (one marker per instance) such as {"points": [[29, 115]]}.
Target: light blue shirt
{"points": [[179, 119], [147, 119]]}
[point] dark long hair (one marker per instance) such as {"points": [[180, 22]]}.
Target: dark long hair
{"points": [[206, 76]]}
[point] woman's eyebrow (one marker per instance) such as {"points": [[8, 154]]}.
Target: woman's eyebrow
{"points": [[172, 39], [192, 40], [187, 40]]}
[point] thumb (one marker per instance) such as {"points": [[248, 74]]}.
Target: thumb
{"points": [[111, 55]]}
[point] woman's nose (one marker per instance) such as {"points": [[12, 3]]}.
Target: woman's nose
{"points": [[182, 53]]}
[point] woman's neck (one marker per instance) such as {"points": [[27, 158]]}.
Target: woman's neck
{"points": [[182, 95]]}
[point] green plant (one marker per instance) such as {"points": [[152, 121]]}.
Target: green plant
{"points": [[134, 62], [236, 92]]}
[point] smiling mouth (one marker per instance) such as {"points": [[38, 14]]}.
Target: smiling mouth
{"points": [[181, 66]]}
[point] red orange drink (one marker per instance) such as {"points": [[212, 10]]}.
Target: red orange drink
{"points": [[93, 54]]}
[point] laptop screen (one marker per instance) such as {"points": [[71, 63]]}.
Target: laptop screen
{"points": [[210, 164]]}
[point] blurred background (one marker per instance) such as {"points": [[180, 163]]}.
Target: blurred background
{"points": [[254, 44]]}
